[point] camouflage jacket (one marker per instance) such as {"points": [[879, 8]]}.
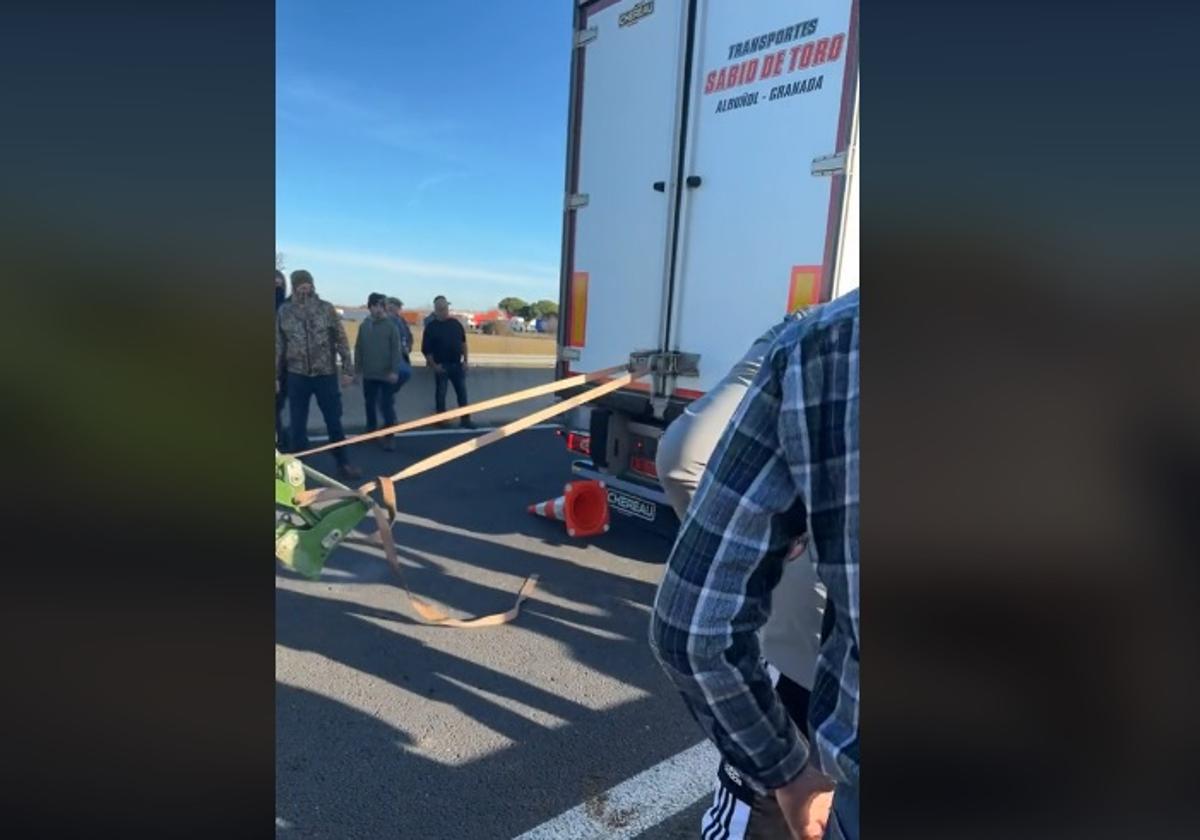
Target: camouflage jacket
{"points": [[308, 338]]}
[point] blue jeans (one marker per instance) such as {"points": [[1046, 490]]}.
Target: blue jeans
{"points": [[381, 394], [281, 398], [300, 390], [456, 376], [843, 821]]}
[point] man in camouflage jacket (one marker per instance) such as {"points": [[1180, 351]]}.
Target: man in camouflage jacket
{"points": [[309, 339]]}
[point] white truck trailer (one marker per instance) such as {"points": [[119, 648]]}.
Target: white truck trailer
{"points": [[711, 188]]}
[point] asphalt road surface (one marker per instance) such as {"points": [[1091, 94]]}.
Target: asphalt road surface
{"points": [[389, 728]]}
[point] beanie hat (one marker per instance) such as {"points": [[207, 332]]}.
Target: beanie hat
{"points": [[300, 277]]}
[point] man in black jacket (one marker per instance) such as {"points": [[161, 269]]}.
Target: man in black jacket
{"points": [[444, 345]]}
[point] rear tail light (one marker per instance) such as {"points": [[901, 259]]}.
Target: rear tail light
{"points": [[643, 466], [641, 459], [579, 443]]}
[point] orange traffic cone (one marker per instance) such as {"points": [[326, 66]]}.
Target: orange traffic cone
{"points": [[583, 507]]}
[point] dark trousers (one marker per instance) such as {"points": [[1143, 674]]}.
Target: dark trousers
{"points": [[379, 394], [738, 812], [329, 399], [281, 442], [456, 376]]}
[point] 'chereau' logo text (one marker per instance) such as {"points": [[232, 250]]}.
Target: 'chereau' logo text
{"points": [[635, 14]]}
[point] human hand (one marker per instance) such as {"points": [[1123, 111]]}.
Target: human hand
{"points": [[805, 802], [465, 366], [393, 377], [798, 546], [438, 368], [347, 380]]}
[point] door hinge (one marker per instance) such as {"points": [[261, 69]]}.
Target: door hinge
{"points": [[585, 36], [663, 369], [834, 164], [576, 200]]}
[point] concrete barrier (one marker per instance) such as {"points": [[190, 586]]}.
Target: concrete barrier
{"points": [[415, 399]]}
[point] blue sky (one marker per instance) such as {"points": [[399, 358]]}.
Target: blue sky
{"points": [[419, 147]]}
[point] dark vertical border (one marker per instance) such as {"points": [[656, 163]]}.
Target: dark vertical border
{"points": [[137, 233], [1030, 420]]}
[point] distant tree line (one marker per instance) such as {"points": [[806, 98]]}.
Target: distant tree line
{"points": [[514, 306]]}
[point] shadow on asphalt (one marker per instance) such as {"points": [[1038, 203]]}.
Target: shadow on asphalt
{"points": [[353, 769], [364, 776], [619, 607]]}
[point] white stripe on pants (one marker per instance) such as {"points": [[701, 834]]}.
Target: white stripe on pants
{"points": [[729, 817], [726, 819]]}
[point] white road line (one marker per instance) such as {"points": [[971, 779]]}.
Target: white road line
{"points": [[638, 803]]}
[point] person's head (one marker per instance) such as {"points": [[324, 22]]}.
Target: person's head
{"points": [[302, 285], [377, 303], [395, 306], [280, 280], [441, 307]]}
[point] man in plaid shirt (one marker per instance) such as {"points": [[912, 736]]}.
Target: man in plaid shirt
{"points": [[790, 456]]}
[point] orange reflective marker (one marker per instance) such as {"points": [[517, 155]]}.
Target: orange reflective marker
{"points": [[577, 335], [804, 288]]}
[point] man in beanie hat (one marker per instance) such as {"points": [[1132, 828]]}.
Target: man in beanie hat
{"points": [[377, 357], [309, 339]]}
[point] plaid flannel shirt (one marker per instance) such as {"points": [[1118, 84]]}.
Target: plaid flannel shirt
{"points": [[789, 457]]}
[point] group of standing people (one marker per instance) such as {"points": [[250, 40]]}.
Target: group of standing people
{"points": [[313, 359]]}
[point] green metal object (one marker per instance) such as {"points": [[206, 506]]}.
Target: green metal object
{"points": [[303, 546]]}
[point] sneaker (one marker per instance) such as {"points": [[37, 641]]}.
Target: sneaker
{"points": [[348, 471], [388, 444], [467, 423]]}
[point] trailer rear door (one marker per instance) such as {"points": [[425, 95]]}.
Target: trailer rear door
{"points": [[769, 94], [615, 283]]}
